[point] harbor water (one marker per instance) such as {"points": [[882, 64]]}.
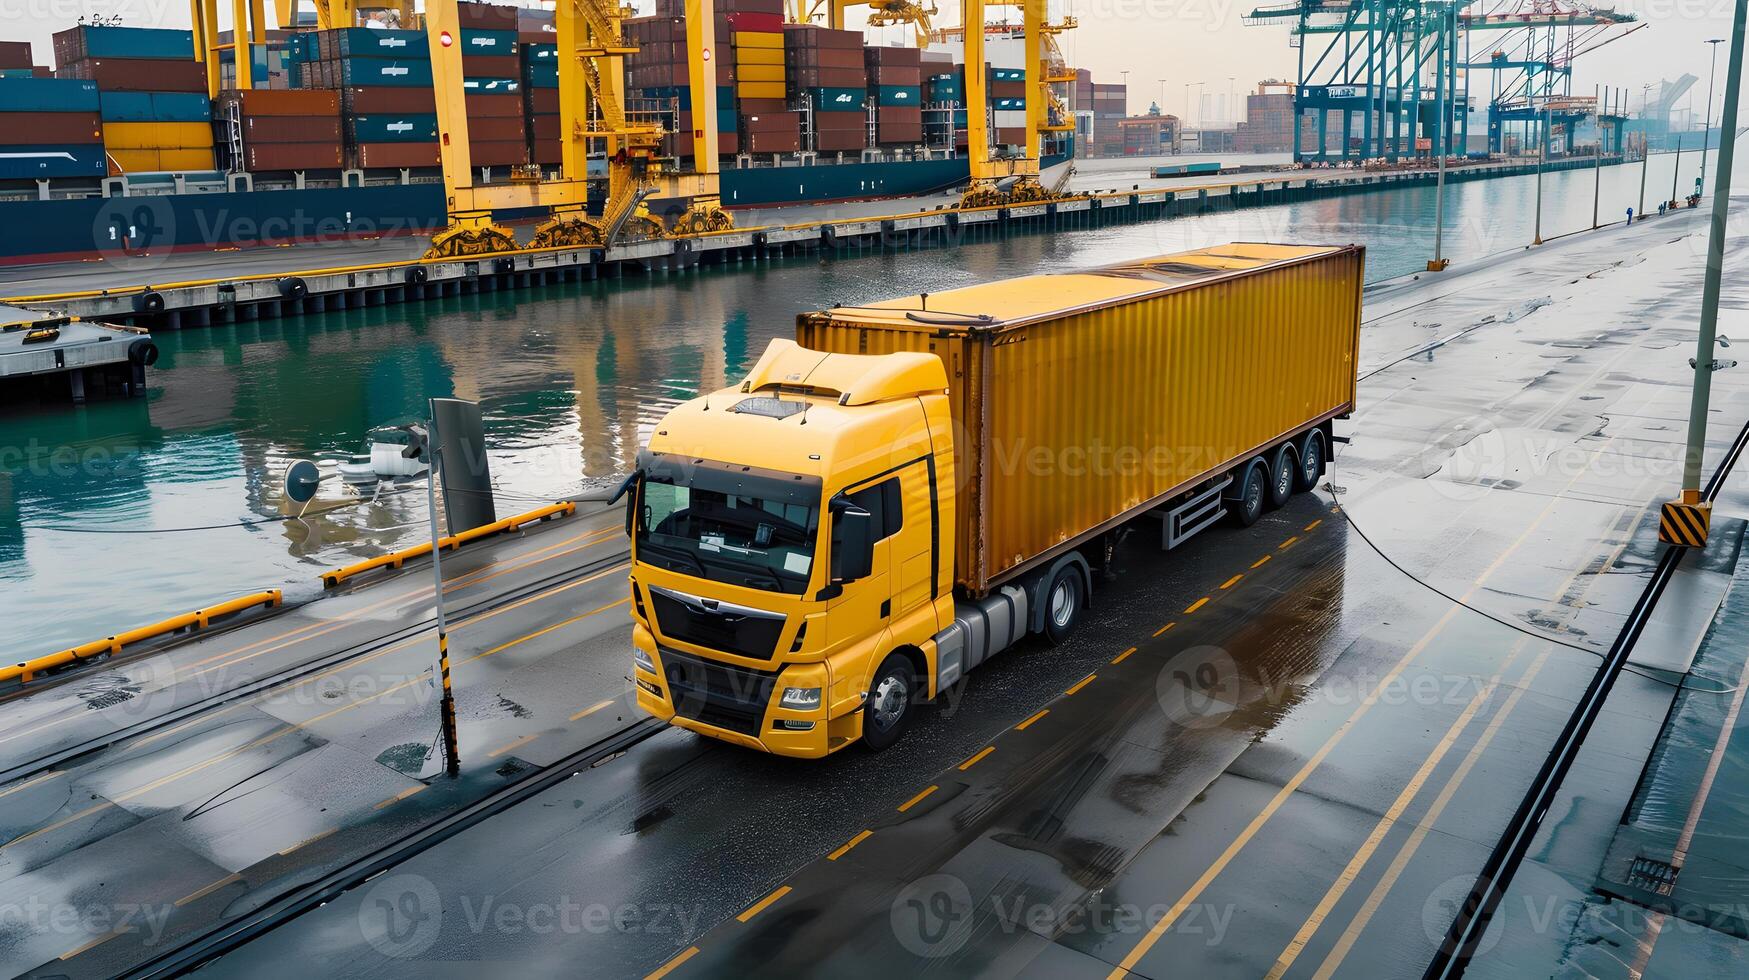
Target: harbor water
{"points": [[115, 514]]}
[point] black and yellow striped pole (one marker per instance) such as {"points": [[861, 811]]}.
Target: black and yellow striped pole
{"points": [[1685, 522], [426, 439]]}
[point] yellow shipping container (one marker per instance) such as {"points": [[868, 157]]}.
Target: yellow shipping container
{"points": [[758, 39], [1081, 400], [124, 161], [759, 90], [759, 56], [754, 74], [157, 135]]}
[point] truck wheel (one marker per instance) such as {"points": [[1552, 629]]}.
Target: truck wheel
{"points": [[1283, 475], [887, 712], [1249, 505], [1311, 463], [1063, 603]]}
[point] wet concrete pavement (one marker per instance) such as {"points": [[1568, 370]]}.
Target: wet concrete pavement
{"points": [[1299, 775]]}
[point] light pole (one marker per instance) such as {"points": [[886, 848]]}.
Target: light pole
{"points": [[1542, 152], [1598, 107], [1645, 150], [1706, 125], [1126, 91], [1687, 521], [1676, 171], [426, 438]]}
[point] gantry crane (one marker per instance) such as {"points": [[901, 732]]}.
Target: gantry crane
{"points": [[592, 51], [997, 180]]}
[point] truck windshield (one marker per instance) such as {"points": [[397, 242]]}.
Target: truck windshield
{"points": [[753, 531]]}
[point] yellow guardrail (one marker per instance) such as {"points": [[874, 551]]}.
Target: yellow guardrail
{"points": [[395, 559], [27, 671]]}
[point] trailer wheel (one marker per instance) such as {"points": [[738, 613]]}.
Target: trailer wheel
{"points": [[1248, 506], [1311, 462], [1064, 601], [887, 712], [1283, 475]]}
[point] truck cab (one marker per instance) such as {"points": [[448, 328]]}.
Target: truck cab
{"points": [[792, 551]]}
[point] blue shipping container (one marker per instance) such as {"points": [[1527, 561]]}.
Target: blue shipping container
{"points": [[1007, 74], [364, 42], [413, 128], [540, 51], [1006, 105], [382, 71], [491, 86], [490, 42], [137, 42], [539, 74], [683, 93], [901, 95], [838, 99], [41, 162], [48, 95], [155, 107]]}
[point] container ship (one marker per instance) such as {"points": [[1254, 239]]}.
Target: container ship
{"points": [[130, 145]]}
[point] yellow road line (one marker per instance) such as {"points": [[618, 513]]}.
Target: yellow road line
{"points": [[398, 797], [1083, 682], [974, 760], [39, 778], [1314, 524], [1287, 544], [1023, 726], [1229, 583], [669, 966], [1164, 628], [1260, 562], [913, 801], [106, 937], [307, 841], [859, 838], [762, 904], [586, 712], [1198, 604], [519, 743], [1120, 658], [199, 894]]}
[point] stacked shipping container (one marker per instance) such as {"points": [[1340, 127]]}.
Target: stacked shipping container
{"points": [[285, 130], [156, 115], [387, 108], [827, 71], [49, 128], [658, 79], [540, 98], [896, 79], [492, 73]]}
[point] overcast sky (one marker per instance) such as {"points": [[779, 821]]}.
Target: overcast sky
{"points": [[1177, 40]]}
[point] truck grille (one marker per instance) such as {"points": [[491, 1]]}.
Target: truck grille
{"points": [[731, 629], [733, 698]]}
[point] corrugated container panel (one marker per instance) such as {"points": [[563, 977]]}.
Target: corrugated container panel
{"points": [[138, 74], [155, 107], [1092, 397], [91, 41], [48, 95], [414, 128], [364, 42], [292, 156], [59, 128], [161, 160], [291, 129], [33, 162], [15, 54], [284, 102], [488, 43], [157, 136]]}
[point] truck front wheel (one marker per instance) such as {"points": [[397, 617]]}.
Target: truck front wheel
{"points": [[887, 711], [1063, 603]]}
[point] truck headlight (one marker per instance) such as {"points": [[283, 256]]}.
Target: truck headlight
{"points": [[642, 659], [801, 697]]}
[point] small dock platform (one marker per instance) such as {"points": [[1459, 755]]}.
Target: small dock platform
{"points": [[51, 354]]}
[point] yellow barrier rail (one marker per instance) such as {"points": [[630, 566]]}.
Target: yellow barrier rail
{"points": [[29, 670], [395, 559]]}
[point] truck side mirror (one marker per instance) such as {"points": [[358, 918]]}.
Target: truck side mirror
{"points": [[628, 487], [852, 543]]}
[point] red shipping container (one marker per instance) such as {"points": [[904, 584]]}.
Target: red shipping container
{"points": [[899, 133], [756, 22], [680, 145], [492, 66], [904, 115], [893, 57], [824, 58], [496, 129], [497, 154], [543, 128], [396, 156], [895, 75], [1011, 135], [493, 106], [772, 122], [291, 129], [1006, 90], [138, 74], [15, 54], [772, 142], [542, 101], [40, 128], [815, 36], [291, 156], [486, 17], [754, 107], [379, 100], [836, 142], [548, 152], [800, 78], [283, 102]]}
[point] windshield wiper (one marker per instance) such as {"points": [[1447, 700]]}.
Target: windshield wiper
{"points": [[697, 562]]}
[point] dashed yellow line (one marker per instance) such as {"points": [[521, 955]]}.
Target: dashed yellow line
{"points": [[1289, 543], [1083, 682], [519, 743], [974, 760], [1259, 563], [852, 842], [1120, 658], [398, 797], [307, 841], [913, 801], [669, 966], [32, 782], [1164, 628], [1229, 583], [586, 712], [208, 890], [762, 904], [1314, 524], [106, 937], [1198, 604], [1027, 723]]}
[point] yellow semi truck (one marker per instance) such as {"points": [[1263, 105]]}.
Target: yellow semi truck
{"points": [[914, 486]]}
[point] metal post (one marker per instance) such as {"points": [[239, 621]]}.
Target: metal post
{"points": [[1542, 151], [1715, 259], [1597, 157], [1439, 263], [452, 759], [1645, 165], [1676, 171], [1706, 125]]}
